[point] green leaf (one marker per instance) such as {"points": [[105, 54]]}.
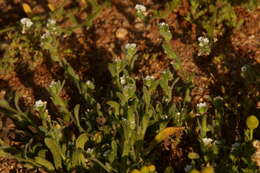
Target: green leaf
{"points": [[81, 141], [112, 69], [169, 51], [113, 154], [16, 102], [115, 106], [76, 158], [4, 104], [146, 96], [47, 164], [42, 153], [55, 150], [76, 114]]}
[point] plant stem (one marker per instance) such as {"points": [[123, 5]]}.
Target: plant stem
{"points": [[204, 126]]}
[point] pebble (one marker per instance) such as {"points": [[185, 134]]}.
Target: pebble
{"points": [[121, 33], [139, 26]]}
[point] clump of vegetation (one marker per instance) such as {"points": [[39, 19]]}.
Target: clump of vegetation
{"points": [[125, 128]]}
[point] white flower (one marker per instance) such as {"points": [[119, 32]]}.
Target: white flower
{"points": [[149, 78], [130, 46], [165, 117], [45, 35], [53, 83], [178, 113], [207, 141], [122, 80], [203, 41], [90, 150], [202, 105], [140, 8], [39, 104], [27, 23], [163, 24], [188, 168], [244, 68], [51, 22]]}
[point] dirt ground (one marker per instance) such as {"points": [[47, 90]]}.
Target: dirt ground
{"points": [[114, 27]]}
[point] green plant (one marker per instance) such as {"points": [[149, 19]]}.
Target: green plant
{"points": [[165, 32]]}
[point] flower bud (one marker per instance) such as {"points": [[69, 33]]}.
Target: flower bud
{"points": [[194, 171], [144, 169], [135, 171], [208, 169], [252, 122]]}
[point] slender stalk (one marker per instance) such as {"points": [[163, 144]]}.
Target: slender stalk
{"points": [[204, 126]]}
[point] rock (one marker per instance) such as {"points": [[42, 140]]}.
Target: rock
{"points": [[121, 33]]}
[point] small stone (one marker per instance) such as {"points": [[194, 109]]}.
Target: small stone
{"points": [[139, 26], [121, 33]]}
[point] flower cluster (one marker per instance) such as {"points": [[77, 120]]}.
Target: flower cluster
{"points": [[244, 68], [130, 49], [207, 141], [140, 8], [123, 80], [149, 78], [39, 104], [203, 41], [141, 11], [130, 46], [26, 24], [202, 107], [164, 30], [204, 46], [50, 30]]}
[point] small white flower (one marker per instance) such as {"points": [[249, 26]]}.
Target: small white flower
{"points": [[89, 150], [203, 41], [122, 80], [45, 35], [163, 24], [140, 8], [188, 168], [88, 82], [51, 22], [165, 117], [207, 141], [178, 113], [39, 104], [130, 46], [149, 78], [27, 22], [244, 68], [52, 84], [202, 105]]}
